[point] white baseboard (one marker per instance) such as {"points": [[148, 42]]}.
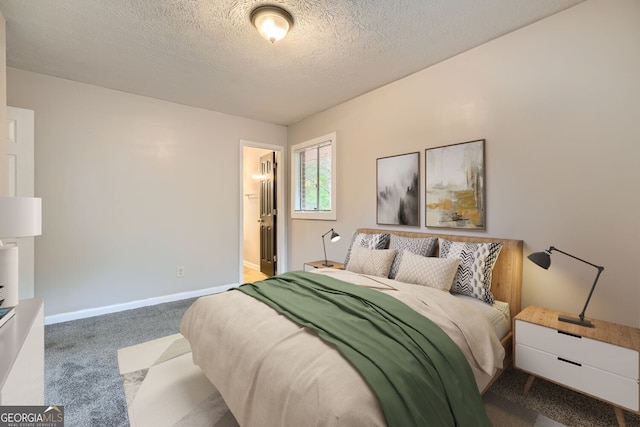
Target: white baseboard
{"points": [[251, 265], [91, 312]]}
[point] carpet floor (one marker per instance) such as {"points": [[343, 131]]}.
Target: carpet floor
{"points": [[164, 388], [551, 400], [81, 366], [82, 373]]}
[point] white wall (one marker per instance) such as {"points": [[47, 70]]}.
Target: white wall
{"points": [[4, 183], [558, 103], [132, 188]]}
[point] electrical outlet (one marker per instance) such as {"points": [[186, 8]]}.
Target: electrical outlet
{"points": [[180, 272]]}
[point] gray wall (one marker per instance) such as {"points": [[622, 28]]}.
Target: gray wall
{"points": [[132, 188], [558, 103]]}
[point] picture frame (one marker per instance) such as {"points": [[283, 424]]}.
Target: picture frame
{"points": [[455, 186], [398, 190]]}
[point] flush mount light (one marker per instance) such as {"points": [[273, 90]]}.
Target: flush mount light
{"points": [[272, 22]]}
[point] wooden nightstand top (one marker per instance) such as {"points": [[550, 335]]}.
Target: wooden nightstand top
{"points": [[612, 333], [320, 264]]}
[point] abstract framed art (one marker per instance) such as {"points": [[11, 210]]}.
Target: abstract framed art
{"points": [[455, 193], [398, 190]]}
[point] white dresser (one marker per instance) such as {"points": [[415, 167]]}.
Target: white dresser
{"points": [[602, 362], [22, 355]]}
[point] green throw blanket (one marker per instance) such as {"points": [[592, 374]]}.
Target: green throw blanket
{"points": [[419, 375]]}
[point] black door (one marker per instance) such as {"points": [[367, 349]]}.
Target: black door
{"points": [[268, 256]]}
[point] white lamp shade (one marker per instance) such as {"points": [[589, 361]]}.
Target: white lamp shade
{"points": [[20, 217], [9, 275]]}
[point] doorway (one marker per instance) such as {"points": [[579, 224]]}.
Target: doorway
{"points": [[262, 233]]}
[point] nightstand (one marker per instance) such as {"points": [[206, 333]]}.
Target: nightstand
{"points": [[312, 265], [602, 362]]}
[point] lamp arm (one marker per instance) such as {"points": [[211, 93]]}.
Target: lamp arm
{"points": [[326, 233], [553, 248], [324, 248], [600, 270]]}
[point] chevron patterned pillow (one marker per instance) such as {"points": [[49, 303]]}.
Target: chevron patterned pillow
{"points": [[473, 277]]}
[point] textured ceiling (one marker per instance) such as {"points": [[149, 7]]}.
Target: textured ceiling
{"points": [[205, 53]]}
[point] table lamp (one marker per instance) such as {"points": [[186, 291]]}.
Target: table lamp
{"points": [[19, 217], [543, 259], [334, 238]]}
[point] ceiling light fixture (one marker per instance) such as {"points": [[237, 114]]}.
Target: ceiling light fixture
{"points": [[272, 22]]}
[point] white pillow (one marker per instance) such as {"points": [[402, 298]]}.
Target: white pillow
{"points": [[433, 272], [425, 246], [376, 262], [371, 241]]}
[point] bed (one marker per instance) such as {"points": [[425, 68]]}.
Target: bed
{"points": [[273, 372]]}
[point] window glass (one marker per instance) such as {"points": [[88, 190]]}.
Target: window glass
{"points": [[313, 176]]}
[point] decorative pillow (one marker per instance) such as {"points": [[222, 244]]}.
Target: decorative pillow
{"points": [[375, 262], [476, 266], [370, 241], [433, 272], [425, 246]]}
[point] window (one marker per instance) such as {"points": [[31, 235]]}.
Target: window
{"points": [[313, 172]]}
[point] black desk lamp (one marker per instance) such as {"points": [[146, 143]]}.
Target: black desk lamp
{"points": [[334, 238], [543, 259]]}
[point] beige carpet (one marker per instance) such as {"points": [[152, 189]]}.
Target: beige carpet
{"points": [[164, 388]]}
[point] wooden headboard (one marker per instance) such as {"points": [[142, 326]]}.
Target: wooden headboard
{"points": [[506, 282]]}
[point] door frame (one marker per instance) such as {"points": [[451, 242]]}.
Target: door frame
{"points": [[281, 229]]}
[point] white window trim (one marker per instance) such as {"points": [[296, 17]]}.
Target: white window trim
{"points": [[326, 215]]}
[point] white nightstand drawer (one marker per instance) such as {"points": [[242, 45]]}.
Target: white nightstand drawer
{"points": [[618, 360], [602, 384]]}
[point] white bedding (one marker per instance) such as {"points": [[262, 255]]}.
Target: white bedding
{"points": [[272, 372], [474, 318], [497, 314]]}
